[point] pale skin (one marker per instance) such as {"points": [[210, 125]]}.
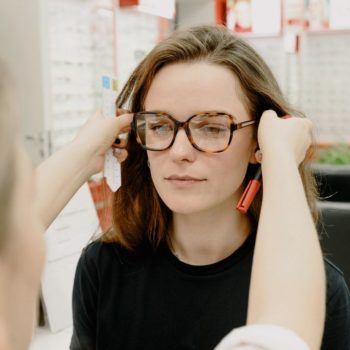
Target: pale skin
{"points": [[288, 277], [282, 300], [66, 171], [38, 197]]}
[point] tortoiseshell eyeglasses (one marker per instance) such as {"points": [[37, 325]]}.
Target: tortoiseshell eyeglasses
{"points": [[209, 132]]}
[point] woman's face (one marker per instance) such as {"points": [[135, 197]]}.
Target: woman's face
{"points": [[22, 257], [183, 90]]}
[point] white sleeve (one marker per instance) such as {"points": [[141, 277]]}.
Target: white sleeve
{"points": [[262, 337]]}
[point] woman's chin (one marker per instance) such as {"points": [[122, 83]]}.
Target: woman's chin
{"points": [[186, 207]]}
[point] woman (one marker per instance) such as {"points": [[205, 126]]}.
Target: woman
{"points": [[174, 271]]}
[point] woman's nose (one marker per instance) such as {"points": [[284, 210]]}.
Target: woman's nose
{"points": [[182, 147]]}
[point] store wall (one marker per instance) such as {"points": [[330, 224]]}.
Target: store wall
{"points": [[22, 48], [137, 34], [195, 12]]}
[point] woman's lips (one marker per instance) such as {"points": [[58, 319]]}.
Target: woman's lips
{"points": [[183, 181], [183, 178]]}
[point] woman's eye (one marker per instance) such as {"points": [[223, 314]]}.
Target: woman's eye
{"points": [[213, 129], [160, 128]]}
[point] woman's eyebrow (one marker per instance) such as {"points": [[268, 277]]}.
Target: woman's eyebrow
{"points": [[190, 115], [198, 112], [235, 119], [157, 111]]}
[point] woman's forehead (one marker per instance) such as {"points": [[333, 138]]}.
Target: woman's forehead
{"points": [[185, 89]]}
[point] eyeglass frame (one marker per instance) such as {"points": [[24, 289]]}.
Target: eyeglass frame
{"points": [[185, 125]]}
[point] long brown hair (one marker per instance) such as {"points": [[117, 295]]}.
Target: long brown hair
{"points": [[139, 215]]}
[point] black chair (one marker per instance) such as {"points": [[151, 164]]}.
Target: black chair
{"points": [[334, 228], [333, 181]]}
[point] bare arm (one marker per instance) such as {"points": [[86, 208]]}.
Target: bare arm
{"points": [[62, 174], [288, 277]]}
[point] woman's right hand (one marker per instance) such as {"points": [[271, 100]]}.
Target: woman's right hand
{"points": [[281, 138]]}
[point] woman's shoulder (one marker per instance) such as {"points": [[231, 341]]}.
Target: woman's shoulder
{"points": [[337, 288], [335, 275], [109, 255], [336, 332], [97, 249]]}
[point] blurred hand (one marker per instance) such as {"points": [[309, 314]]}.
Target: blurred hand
{"points": [[284, 138], [98, 135]]}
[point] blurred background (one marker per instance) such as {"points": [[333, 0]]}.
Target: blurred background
{"points": [[57, 51]]}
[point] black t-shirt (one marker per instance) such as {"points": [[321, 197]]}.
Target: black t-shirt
{"points": [[154, 301]]}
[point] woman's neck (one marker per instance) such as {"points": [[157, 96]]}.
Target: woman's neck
{"points": [[207, 237]]}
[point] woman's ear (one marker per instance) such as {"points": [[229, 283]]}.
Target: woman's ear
{"points": [[256, 155], [252, 159]]}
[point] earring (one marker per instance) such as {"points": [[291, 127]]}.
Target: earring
{"points": [[258, 156]]}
